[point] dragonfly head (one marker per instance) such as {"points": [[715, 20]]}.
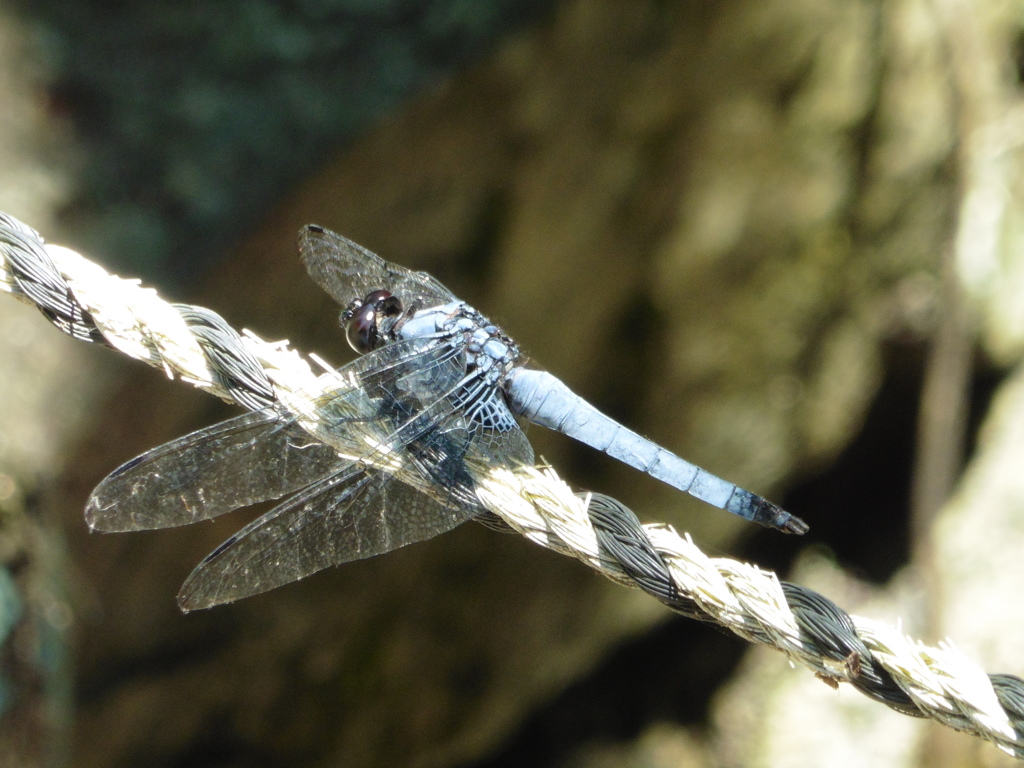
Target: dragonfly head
{"points": [[367, 321]]}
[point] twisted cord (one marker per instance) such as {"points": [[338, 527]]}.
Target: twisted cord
{"points": [[199, 347]]}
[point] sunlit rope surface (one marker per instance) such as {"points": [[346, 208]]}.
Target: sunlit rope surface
{"points": [[199, 347]]}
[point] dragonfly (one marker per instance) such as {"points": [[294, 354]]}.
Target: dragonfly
{"points": [[436, 397]]}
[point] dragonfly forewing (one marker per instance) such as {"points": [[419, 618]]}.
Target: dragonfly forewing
{"points": [[251, 458]]}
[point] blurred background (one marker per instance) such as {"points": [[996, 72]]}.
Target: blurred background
{"points": [[781, 237]]}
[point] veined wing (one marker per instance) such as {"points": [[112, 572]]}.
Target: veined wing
{"points": [[348, 271], [397, 469], [354, 514], [266, 454], [417, 484], [245, 460]]}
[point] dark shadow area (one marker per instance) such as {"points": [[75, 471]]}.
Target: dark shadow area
{"points": [[859, 506], [666, 675], [985, 382], [216, 747]]}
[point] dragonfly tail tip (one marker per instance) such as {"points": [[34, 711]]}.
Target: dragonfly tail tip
{"points": [[753, 507], [795, 525]]}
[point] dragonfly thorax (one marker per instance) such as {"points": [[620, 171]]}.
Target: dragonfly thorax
{"points": [[488, 350]]}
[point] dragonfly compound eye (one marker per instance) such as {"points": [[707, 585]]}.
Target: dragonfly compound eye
{"points": [[387, 304], [361, 329]]}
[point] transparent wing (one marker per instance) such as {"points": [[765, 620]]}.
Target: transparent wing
{"points": [[419, 482], [242, 461], [260, 455], [358, 512], [392, 462], [348, 271]]}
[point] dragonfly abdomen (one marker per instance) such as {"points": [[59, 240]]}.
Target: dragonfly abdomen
{"points": [[543, 399]]}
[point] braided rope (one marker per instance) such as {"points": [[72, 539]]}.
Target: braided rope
{"points": [[199, 347]]}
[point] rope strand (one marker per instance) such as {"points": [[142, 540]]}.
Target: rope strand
{"points": [[198, 346]]}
